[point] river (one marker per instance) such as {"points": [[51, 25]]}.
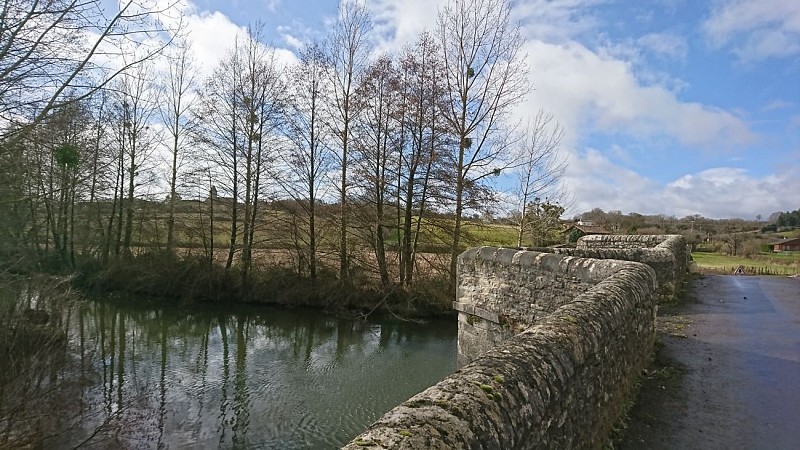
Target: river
{"points": [[145, 374]]}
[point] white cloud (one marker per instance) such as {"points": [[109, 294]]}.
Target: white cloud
{"points": [[289, 37], [721, 192], [292, 41], [638, 54], [731, 192], [581, 87], [399, 22], [666, 45], [556, 21], [212, 34], [272, 5], [778, 104], [756, 29], [596, 182]]}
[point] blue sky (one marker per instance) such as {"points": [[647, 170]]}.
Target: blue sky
{"points": [[670, 106]]}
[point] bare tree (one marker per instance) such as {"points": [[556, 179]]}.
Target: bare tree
{"points": [[485, 77], [541, 168], [136, 108], [99, 163], [376, 135], [49, 48], [55, 159], [219, 135], [423, 142], [239, 111], [348, 49], [307, 158], [261, 93], [175, 110]]}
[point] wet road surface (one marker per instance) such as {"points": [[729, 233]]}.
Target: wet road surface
{"points": [[730, 375]]}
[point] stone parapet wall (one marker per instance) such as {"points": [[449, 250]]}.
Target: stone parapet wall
{"points": [[502, 291], [622, 240], [550, 343], [561, 383], [667, 254]]}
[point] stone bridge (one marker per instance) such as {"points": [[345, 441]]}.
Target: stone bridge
{"points": [[550, 343]]}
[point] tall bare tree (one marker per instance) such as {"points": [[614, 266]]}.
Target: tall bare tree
{"points": [[219, 134], [98, 174], [486, 77], [175, 110], [540, 169], [376, 135], [348, 49], [308, 157], [239, 112], [423, 142], [136, 108], [58, 171], [261, 93]]}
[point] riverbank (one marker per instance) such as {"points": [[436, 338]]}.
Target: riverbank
{"points": [[189, 280]]}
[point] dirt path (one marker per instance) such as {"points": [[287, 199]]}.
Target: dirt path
{"points": [[728, 373]]}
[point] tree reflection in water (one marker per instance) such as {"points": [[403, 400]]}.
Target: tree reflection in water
{"points": [[143, 374]]}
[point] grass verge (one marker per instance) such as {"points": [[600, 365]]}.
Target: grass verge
{"points": [[762, 264]]}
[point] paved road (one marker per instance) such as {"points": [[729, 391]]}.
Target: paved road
{"points": [[738, 354]]}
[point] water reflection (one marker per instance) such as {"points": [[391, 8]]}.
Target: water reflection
{"points": [[255, 378]]}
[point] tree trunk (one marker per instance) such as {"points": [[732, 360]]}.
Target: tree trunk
{"points": [[456, 249], [344, 264], [235, 200], [129, 206], [248, 186], [121, 203], [172, 189], [72, 223]]}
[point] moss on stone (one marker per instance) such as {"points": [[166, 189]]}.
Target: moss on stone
{"points": [[472, 319]]}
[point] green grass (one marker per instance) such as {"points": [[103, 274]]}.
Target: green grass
{"points": [[492, 235], [765, 263]]}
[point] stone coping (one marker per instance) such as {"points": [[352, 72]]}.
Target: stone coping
{"points": [[559, 384]]}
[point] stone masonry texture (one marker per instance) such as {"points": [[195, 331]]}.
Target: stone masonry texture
{"points": [[668, 255], [562, 338]]}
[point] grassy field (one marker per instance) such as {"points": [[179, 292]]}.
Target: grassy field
{"points": [[763, 264], [273, 230], [493, 235], [790, 234], [276, 229]]}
